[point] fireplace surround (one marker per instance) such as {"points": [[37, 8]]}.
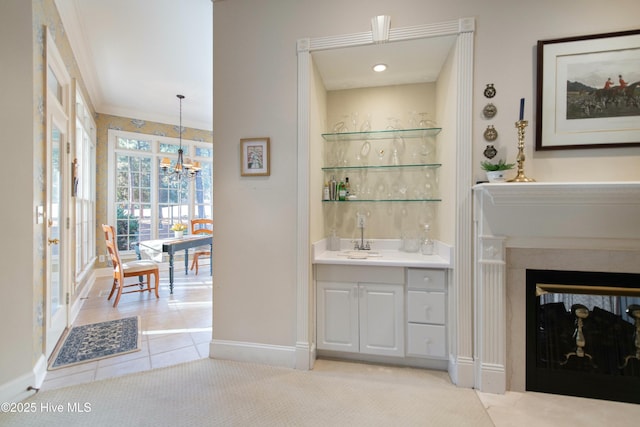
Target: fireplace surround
{"points": [[520, 226]]}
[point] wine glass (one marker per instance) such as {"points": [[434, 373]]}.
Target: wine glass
{"points": [[426, 122], [394, 123], [363, 154], [354, 121], [413, 119], [366, 124]]}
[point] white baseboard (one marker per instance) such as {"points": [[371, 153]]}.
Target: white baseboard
{"points": [[16, 389], [305, 356], [492, 378], [103, 272], [40, 371], [274, 355], [79, 300], [461, 371]]}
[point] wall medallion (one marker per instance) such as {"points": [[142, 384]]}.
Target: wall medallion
{"points": [[489, 91], [490, 134], [489, 111]]}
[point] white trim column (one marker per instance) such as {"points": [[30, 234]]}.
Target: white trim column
{"points": [[304, 357], [461, 320], [490, 305]]}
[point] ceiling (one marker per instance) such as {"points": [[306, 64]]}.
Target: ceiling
{"points": [[135, 56], [409, 61]]}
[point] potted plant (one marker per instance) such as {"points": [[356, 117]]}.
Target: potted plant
{"points": [[178, 229], [495, 171]]}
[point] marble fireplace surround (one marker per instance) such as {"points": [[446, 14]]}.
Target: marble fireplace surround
{"points": [[555, 226]]}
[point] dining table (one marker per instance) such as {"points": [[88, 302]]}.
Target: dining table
{"points": [[171, 246]]}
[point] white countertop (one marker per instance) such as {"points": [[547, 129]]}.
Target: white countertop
{"points": [[383, 253]]}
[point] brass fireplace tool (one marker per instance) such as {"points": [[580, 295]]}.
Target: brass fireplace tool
{"points": [[580, 312], [634, 311], [520, 177]]}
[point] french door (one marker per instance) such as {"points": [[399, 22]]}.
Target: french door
{"points": [[56, 251]]}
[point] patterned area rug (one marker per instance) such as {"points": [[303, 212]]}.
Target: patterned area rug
{"points": [[87, 343]]}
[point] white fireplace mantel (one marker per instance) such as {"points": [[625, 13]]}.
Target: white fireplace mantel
{"points": [[601, 216]]}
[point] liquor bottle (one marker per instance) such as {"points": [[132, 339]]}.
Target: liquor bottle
{"points": [[325, 192], [347, 188], [342, 192]]}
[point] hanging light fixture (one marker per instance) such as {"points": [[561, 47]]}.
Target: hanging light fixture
{"points": [[183, 169]]}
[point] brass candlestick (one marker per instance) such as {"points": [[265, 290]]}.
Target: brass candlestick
{"points": [[520, 177]]}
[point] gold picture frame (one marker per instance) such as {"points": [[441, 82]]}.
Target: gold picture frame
{"points": [[255, 158]]}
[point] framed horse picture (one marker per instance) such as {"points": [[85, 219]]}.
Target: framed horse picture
{"points": [[588, 91]]}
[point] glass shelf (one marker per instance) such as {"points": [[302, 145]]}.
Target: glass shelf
{"points": [[382, 200], [381, 167], [381, 134]]}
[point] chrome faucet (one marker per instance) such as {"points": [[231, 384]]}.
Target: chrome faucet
{"points": [[361, 245]]}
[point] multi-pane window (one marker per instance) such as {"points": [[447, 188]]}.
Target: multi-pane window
{"points": [[83, 187], [133, 199], [147, 202], [203, 185]]}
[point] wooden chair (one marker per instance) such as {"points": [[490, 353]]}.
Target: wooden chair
{"points": [[200, 226], [129, 269]]}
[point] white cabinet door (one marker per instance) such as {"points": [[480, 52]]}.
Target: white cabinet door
{"points": [[365, 318], [381, 319], [337, 323]]}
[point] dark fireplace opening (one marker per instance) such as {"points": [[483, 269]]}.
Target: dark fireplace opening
{"points": [[583, 334]]}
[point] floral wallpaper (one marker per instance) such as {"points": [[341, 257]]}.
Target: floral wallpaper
{"points": [[45, 17]]}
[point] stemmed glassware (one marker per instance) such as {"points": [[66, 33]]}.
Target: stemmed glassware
{"points": [[366, 124], [354, 121], [426, 122], [394, 123]]}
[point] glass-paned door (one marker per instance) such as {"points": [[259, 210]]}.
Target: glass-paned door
{"points": [[57, 199], [56, 291]]}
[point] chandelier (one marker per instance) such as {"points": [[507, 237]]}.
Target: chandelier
{"points": [[184, 168]]}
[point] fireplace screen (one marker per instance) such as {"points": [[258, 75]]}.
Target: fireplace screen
{"points": [[583, 334]]}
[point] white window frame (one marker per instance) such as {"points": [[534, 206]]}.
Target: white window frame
{"points": [[189, 147], [84, 202]]}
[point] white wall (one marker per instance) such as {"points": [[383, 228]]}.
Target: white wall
{"points": [[255, 95], [18, 216]]}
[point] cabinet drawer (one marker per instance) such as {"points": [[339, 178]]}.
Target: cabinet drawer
{"points": [[421, 278], [426, 340], [426, 307]]}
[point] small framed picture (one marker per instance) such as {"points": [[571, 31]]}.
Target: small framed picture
{"points": [[254, 157]]}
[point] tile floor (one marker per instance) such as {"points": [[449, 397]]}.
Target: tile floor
{"points": [[175, 328]]}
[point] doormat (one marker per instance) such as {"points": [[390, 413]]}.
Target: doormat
{"points": [[95, 341]]}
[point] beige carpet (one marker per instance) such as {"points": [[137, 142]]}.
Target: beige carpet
{"points": [[227, 393]]}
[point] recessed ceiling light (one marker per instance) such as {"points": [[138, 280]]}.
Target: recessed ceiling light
{"points": [[378, 68]]}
